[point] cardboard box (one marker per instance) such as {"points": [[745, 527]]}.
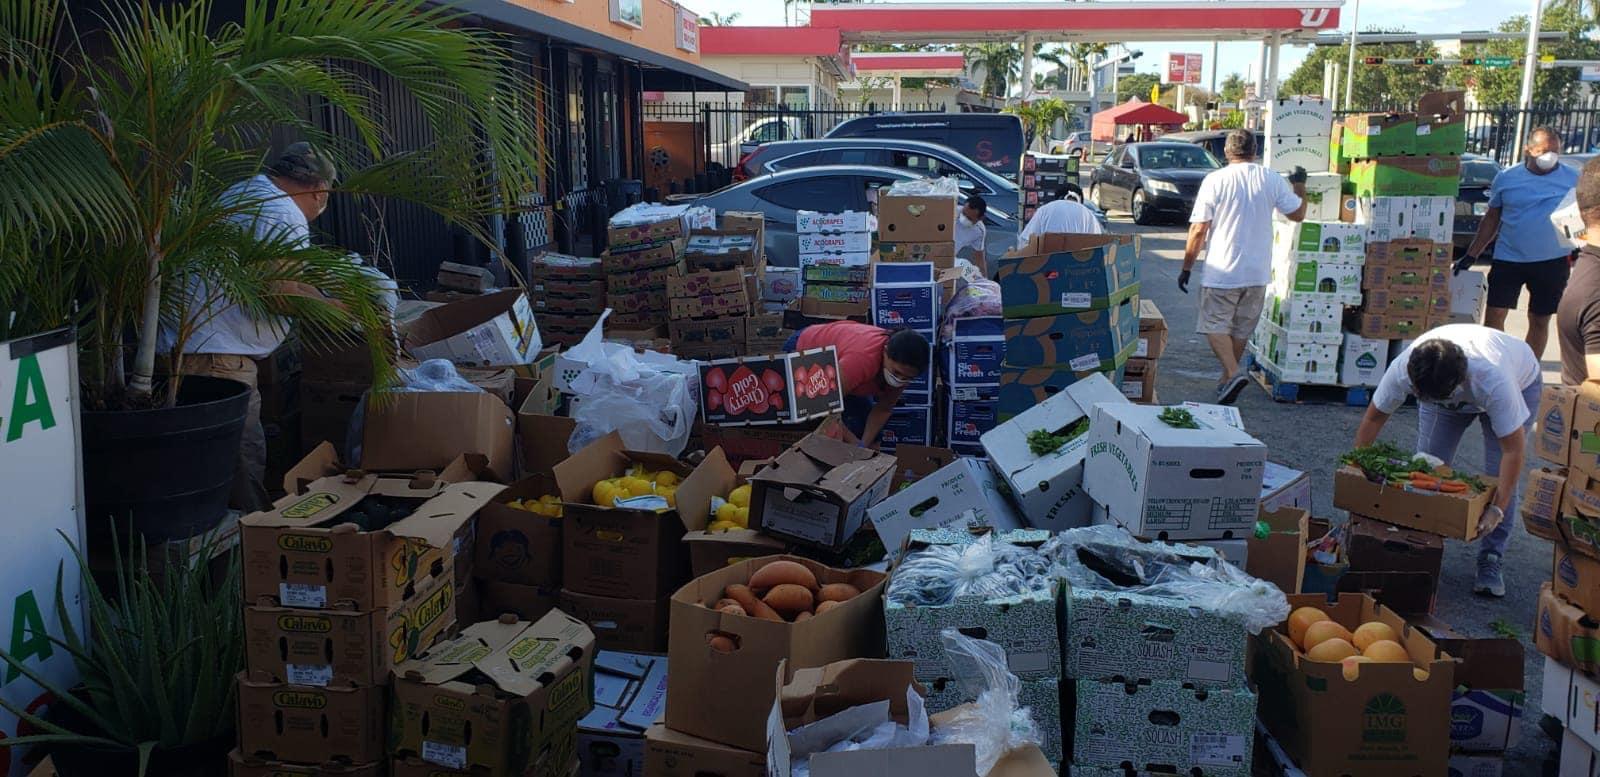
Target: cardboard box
{"points": [[1322, 196], [968, 422], [913, 219], [818, 491], [1139, 381], [241, 765], [766, 334], [543, 436], [629, 259], [620, 624], [671, 753], [495, 697], [1433, 218], [309, 724], [1320, 240], [835, 243], [853, 629], [942, 255], [852, 259], [1375, 546], [529, 603], [1305, 312], [1063, 273], [1362, 361], [965, 492], [1278, 554], [1284, 487], [630, 696], [1399, 303], [915, 462], [549, 266], [643, 279], [1542, 500], [1447, 515], [781, 284], [1469, 296], [1486, 706], [710, 249], [1299, 362], [1554, 426], [1385, 721], [302, 553], [1095, 340], [653, 222], [1584, 450], [1392, 327], [779, 389], [631, 553], [326, 409], [1286, 152], [697, 284], [809, 222], [1023, 387], [1578, 758], [520, 546], [1049, 488], [1209, 731], [1368, 135], [907, 425], [745, 443], [838, 293], [1415, 176], [709, 552], [1165, 483], [973, 357], [733, 303], [426, 430], [1299, 116], [1564, 632], [717, 338], [1152, 331], [1386, 218], [339, 647], [906, 295], [644, 300], [837, 273], [494, 330], [1442, 123], [1339, 278]]}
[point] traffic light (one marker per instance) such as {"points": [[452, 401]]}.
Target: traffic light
{"points": [[1372, 60], [1473, 61], [1422, 61]]}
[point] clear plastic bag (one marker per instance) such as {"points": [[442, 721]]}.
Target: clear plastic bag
{"points": [[978, 299], [940, 574], [996, 723], [434, 375], [1108, 558], [649, 398], [947, 186]]}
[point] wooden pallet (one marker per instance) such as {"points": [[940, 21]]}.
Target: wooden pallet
{"points": [[1285, 391]]}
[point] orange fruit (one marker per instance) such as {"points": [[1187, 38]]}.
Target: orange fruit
{"points": [[1373, 631], [1301, 619], [1387, 650], [1322, 631], [1350, 664], [1332, 650]]}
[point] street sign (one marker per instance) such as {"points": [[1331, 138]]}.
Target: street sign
{"points": [[42, 480], [1497, 62], [1589, 73], [1184, 68]]}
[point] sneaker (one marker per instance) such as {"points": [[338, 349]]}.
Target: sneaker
{"points": [[1230, 390], [1490, 582]]}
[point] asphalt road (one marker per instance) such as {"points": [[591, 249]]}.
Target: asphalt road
{"points": [[1310, 437]]}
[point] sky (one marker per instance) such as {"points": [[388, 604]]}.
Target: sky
{"points": [[1432, 16]]}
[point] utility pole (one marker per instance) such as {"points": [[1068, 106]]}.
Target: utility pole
{"points": [[1530, 65], [1216, 99], [1350, 66]]}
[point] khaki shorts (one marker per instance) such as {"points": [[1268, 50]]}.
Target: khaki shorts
{"points": [[1232, 312]]}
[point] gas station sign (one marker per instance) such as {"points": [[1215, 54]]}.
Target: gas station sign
{"points": [[1184, 68]]}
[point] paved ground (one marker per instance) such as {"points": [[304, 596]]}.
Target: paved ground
{"points": [[1310, 437]]}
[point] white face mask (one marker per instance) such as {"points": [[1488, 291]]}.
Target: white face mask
{"points": [[893, 380], [1547, 161]]}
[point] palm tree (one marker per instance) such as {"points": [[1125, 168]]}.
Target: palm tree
{"points": [[112, 173], [719, 20], [1000, 63]]}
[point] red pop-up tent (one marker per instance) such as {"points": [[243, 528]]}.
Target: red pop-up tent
{"points": [[1109, 123]]}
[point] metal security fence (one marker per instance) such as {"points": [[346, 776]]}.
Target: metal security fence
{"points": [[1491, 131]]}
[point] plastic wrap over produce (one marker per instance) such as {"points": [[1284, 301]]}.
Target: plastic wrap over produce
{"points": [[1108, 558], [649, 397], [996, 723], [989, 568], [694, 216], [947, 186], [434, 375]]}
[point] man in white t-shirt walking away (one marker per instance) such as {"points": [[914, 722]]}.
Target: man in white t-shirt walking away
{"points": [[1465, 374], [1232, 221]]}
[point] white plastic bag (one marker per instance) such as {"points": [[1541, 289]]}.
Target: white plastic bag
{"points": [[996, 723], [649, 399]]}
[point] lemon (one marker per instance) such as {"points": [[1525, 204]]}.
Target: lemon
{"points": [[717, 527], [550, 499], [606, 492], [728, 512], [742, 517], [669, 493], [636, 486], [666, 478], [740, 496]]}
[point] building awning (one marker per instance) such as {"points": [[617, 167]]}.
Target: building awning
{"points": [[1120, 21], [662, 72], [911, 64]]}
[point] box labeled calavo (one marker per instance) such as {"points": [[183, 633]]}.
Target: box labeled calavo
{"points": [[1444, 514], [494, 330], [1049, 486], [964, 493], [303, 554], [630, 695], [852, 629], [777, 389], [1388, 719], [1094, 340], [310, 724], [1062, 273], [1165, 726], [495, 697], [1168, 482], [818, 491]]}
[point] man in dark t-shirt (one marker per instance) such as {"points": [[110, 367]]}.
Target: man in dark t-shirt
{"points": [[1578, 316]]}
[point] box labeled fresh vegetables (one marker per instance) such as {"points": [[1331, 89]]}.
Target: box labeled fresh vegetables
{"points": [[1381, 481]]}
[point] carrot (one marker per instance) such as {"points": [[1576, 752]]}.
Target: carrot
{"points": [[1452, 487], [1420, 480]]}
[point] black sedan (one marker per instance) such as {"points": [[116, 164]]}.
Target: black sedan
{"points": [[1472, 198], [1151, 179]]}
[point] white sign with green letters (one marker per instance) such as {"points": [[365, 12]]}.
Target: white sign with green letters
{"points": [[41, 485]]}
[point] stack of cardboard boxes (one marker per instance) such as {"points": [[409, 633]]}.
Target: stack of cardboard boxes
{"points": [[569, 293], [1139, 378], [646, 245], [905, 295], [835, 252], [1043, 175], [1316, 272], [1299, 131], [972, 363], [709, 311], [1406, 283], [1071, 309]]}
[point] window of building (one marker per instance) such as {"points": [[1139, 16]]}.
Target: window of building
{"points": [[761, 95], [795, 96]]}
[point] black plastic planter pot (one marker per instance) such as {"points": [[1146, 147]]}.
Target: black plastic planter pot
{"points": [[200, 759], [169, 470]]}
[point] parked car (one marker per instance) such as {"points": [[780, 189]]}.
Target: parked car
{"points": [[827, 188], [994, 140], [1213, 140], [1082, 145], [770, 129], [1151, 179], [1472, 198]]}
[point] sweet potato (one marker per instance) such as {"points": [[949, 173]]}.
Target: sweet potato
{"points": [[837, 592], [826, 606], [732, 608], [802, 616], [788, 599], [746, 598], [721, 643], [780, 572], [724, 602]]}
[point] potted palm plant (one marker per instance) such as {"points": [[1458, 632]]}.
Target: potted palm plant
{"points": [[116, 149], [155, 664]]}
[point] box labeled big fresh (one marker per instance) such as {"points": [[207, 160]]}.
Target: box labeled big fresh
{"points": [[1415, 176], [630, 696], [810, 222], [1166, 726], [909, 424], [309, 724], [494, 330], [1048, 485], [916, 219], [1388, 719], [905, 295], [778, 389], [818, 491], [493, 698], [975, 353], [1196, 479], [1094, 340], [1062, 273], [1368, 135], [968, 421], [965, 492], [1446, 514]]}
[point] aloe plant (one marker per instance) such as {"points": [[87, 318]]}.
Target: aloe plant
{"points": [[155, 663]]}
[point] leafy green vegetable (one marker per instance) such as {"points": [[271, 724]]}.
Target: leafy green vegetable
{"points": [[1178, 418], [1504, 629], [1385, 460], [1043, 443]]}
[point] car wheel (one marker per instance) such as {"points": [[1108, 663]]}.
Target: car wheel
{"points": [[1094, 196], [1142, 212]]}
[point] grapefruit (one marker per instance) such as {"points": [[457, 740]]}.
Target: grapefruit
{"points": [[1332, 650], [1373, 631], [1301, 619], [1387, 651], [1322, 631], [1350, 664]]}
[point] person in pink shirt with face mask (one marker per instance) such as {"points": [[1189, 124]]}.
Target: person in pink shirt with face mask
{"points": [[875, 366]]}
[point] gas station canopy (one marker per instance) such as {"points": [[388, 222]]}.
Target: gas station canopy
{"points": [[1117, 21], [911, 64]]}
